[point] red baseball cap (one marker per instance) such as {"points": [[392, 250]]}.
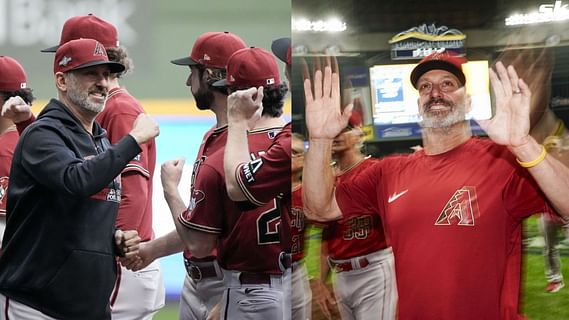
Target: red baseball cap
{"points": [[83, 53], [250, 67], [212, 49], [13, 75], [445, 60], [281, 49], [355, 120], [89, 26]]}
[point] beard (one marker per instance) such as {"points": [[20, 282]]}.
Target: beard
{"points": [[442, 119], [204, 98], [81, 97]]}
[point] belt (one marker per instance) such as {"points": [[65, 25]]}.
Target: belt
{"points": [[285, 261], [254, 278], [348, 266], [203, 271]]}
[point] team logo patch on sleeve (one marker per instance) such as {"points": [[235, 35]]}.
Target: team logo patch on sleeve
{"points": [[251, 168], [197, 197]]}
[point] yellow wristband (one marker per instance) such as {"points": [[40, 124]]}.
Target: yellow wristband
{"points": [[535, 162]]}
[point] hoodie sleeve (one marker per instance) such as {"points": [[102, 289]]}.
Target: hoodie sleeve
{"points": [[48, 157]]}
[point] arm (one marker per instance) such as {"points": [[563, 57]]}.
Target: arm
{"points": [[17, 110], [134, 195], [242, 112], [154, 249], [324, 120], [200, 244], [48, 159], [551, 175], [510, 127]]}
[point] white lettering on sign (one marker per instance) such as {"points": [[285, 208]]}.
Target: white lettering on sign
{"points": [[546, 13], [423, 52], [32, 22], [330, 25]]}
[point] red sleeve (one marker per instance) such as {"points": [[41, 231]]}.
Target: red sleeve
{"points": [[206, 202], [8, 143], [134, 192], [361, 193], [265, 177], [119, 126], [523, 197], [21, 126]]}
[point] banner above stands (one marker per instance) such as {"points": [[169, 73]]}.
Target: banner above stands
{"points": [[421, 41]]}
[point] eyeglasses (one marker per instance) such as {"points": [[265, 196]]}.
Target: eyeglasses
{"points": [[444, 86]]}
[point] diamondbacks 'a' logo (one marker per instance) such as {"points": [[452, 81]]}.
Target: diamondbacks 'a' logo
{"points": [[64, 61], [461, 209], [197, 197], [99, 50]]}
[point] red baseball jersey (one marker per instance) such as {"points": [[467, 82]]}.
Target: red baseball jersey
{"points": [[135, 211], [213, 141], [8, 141], [269, 173], [356, 233], [297, 224], [247, 232], [454, 222]]}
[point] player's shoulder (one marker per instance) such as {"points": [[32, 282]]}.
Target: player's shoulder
{"points": [[268, 133], [481, 148], [119, 101]]}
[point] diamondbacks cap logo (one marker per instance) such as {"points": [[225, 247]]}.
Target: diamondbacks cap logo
{"points": [[206, 57], [461, 209], [99, 50], [65, 61]]}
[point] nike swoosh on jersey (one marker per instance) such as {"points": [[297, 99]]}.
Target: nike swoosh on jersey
{"points": [[396, 196]]}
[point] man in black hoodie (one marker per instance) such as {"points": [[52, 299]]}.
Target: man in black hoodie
{"points": [[60, 242]]}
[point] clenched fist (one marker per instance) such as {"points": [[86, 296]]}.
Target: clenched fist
{"points": [[144, 129]]}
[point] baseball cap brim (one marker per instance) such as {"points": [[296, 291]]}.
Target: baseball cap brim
{"points": [[50, 49], [115, 67], [220, 83], [427, 66], [186, 61], [280, 48]]}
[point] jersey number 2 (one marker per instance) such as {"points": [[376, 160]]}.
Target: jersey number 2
{"points": [[268, 224]]}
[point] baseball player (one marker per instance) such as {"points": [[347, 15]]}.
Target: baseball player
{"points": [[270, 179], [203, 285], [140, 294], [13, 87], [356, 244], [242, 232]]}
